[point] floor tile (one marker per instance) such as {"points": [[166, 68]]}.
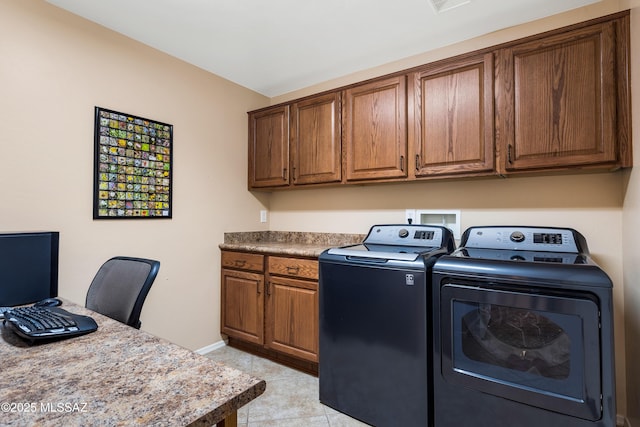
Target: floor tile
{"points": [[287, 398], [269, 370], [290, 400], [232, 357]]}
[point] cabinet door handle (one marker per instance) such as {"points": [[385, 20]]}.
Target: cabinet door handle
{"points": [[417, 162], [268, 289], [293, 270], [259, 288], [402, 163], [509, 153], [284, 173]]}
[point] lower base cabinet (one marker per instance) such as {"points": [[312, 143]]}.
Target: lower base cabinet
{"points": [[270, 306]]}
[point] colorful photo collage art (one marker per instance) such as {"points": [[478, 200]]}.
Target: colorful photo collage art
{"points": [[133, 166]]}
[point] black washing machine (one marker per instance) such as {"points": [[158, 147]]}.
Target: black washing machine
{"points": [[524, 331], [375, 330]]}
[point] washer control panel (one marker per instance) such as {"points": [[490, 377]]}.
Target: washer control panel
{"points": [[405, 235], [524, 239]]}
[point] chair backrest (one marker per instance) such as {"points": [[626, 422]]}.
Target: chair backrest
{"points": [[120, 288]]}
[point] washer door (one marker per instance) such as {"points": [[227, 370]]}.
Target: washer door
{"points": [[541, 350]]}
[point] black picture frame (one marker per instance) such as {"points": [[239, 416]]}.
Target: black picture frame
{"points": [[133, 167]]}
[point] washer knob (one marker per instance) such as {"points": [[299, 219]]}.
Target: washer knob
{"points": [[517, 237], [403, 233]]}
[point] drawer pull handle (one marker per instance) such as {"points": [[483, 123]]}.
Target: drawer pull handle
{"points": [[240, 263], [293, 270]]}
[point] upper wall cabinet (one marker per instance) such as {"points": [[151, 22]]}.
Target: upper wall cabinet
{"points": [[451, 125], [563, 100], [269, 147], [316, 140], [375, 130], [553, 102]]}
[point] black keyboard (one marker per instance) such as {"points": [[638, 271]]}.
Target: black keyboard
{"points": [[45, 323]]}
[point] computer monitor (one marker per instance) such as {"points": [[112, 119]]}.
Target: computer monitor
{"points": [[28, 267]]}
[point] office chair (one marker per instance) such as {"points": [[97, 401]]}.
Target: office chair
{"points": [[120, 288]]}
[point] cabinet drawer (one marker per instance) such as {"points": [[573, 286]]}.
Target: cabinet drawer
{"points": [[294, 267], [243, 261]]}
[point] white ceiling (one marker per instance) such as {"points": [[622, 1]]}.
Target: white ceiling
{"points": [[277, 46]]}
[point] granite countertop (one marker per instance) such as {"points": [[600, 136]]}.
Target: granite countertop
{"points": [[306, 244], [116, 375]]}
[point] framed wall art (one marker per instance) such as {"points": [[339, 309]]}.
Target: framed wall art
{"points": [[133, 167]]}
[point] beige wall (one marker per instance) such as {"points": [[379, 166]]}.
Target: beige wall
{"points": [[54, 69]]}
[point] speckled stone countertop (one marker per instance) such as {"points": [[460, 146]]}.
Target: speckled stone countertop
{"points": [[116, 375], [287, 242]]}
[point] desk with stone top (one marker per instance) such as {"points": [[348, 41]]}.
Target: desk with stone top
{"points": [[117, 375]]}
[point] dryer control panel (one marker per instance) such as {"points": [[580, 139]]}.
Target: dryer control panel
{"points": [[525, 238]]}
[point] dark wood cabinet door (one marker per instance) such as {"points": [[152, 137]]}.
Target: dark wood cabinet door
{"points": [[316, 140], [242, 305], [556, 100], [292, 317], [451, 125], [269, 147], [375, 130]]}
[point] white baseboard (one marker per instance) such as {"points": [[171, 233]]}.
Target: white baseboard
{"points": [[211, 347]]}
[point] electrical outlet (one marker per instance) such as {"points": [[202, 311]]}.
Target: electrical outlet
{"points": [[263, 216]]}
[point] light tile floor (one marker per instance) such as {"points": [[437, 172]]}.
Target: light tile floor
{"points": [[290, 400]]}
